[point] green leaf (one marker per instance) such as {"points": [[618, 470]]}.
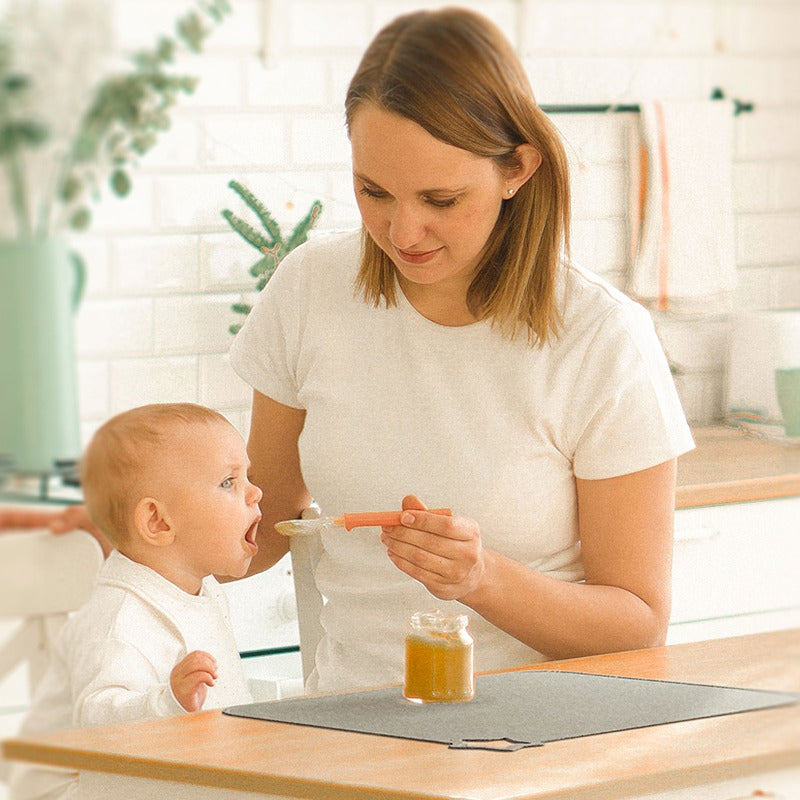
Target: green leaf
{"points": [[70, 188], [33, 133], [85, 147], [264, 267], [187, 84], [247, 231], [191, 31], [242, 308], [300, 232], [165, 48], [120, 183], [21, 133], [142, 143], [14, 83], [81, 219], [261, 211]]}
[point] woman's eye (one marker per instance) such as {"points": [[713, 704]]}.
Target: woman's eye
{"points": [[451, 201], [375, 193], [227, 483]]}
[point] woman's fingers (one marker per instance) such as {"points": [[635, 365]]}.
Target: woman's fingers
{"points": [[443, 553]]}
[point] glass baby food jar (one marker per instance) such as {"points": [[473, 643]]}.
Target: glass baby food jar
{"points": [[439, 658]]}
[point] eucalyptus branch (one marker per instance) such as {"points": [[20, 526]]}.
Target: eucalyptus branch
{"points": [[122, 121], [128, 113]]}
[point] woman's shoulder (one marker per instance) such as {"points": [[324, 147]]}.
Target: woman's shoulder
{"points": [[323, 266], [324, 252], [591, 302]]}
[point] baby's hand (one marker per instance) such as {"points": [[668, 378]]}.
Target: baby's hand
{"points": [[190, 677]]}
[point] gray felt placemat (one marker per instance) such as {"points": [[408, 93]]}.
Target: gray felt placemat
{"points": [[521, 709]]}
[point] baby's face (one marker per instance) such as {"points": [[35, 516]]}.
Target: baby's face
{"points": [[210, 501]]}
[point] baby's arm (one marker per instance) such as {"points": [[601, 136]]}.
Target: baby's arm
{"points": [[190, 678], [118, 683]]}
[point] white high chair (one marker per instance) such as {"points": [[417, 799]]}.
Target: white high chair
{"points": [[305, 552], [42, 578]]}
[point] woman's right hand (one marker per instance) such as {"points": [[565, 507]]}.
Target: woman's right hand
{"points": [[61, 521]]}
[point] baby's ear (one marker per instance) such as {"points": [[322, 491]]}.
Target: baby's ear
{"points": [[152, 522]]}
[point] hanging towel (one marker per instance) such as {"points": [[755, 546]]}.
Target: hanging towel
{"points": [[681, 206]]}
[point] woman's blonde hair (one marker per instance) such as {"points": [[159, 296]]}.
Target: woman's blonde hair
{"points": [[121, 451], [455, 74]]}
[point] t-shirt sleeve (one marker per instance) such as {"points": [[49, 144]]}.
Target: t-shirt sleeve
{"points": [[264, 351], [632, 419]]}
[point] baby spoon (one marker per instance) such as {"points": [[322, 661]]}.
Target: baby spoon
{"points": [[305, 527]]}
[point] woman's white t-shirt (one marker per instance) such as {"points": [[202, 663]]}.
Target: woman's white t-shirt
{"points": [[460, 416]]}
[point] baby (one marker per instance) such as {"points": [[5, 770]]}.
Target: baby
{"points": [[167, 484]]}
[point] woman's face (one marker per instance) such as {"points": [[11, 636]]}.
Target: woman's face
{"points": [[428, 205]]}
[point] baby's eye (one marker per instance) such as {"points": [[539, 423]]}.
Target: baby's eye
{"points": [[227, 483]]}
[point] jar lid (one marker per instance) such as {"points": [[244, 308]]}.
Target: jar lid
{"points": [[438, 622]]}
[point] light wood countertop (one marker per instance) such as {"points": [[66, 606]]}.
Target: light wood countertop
{"points": [[213, 750], [731, 466]]}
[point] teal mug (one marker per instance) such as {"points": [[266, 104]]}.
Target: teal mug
{"points": [[787, 387]]}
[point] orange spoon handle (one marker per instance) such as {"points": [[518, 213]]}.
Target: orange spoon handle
{"points": [[379, 518]]}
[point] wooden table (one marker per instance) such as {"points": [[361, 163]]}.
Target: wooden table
{"points": [[228, 757]]}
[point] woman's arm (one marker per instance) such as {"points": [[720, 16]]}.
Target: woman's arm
{"points": [[275, 469], [626, 531]]}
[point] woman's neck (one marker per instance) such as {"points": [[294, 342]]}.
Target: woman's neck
{"points": [[443, 304]]}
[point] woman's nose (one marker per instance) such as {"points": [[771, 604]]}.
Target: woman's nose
{"points": [[406, 227]]}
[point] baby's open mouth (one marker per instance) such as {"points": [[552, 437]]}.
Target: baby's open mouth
{"points": [[250, 536]]}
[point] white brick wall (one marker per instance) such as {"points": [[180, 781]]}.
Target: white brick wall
{"points": [[164, 267]]}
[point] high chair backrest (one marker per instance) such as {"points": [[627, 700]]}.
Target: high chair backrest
{"points": [[42, 578]]}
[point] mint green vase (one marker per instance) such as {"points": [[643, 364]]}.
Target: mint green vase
{"points": [[41, 284]]}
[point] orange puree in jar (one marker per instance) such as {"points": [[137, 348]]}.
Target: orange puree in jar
{"points": [[439, 659]]}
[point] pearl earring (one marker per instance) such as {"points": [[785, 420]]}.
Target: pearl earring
{"points": [[510, 192]]}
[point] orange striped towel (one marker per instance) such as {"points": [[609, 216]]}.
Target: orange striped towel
{"points": [[681, 206]]}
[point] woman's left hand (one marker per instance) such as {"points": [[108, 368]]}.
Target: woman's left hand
{"points": [[443, 553]]}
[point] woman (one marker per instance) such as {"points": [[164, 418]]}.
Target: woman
{"points": [[449, 350]]}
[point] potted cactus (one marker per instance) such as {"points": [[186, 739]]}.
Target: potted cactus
{"points": [[270, 242]]}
